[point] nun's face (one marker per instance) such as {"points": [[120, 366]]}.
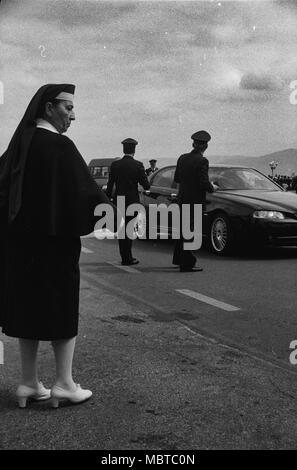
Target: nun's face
{"points": [[61, 115]]}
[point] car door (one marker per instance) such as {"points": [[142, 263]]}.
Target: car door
{"points": [[163, 190]]}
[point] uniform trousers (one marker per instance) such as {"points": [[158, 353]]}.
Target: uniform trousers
{"points": [[125, 244]]}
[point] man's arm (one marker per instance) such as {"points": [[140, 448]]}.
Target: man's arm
{"points": [[176, 174], [110, 183], [203, 177], [142, 178]]}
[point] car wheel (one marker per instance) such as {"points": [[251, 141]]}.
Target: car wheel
{"points": [[220, 234], [142, 227]]}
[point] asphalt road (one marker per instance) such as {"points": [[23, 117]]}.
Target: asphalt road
{"points": [[262, 286], [175, 360]]}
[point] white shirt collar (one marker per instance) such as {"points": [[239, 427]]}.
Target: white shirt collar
{"points": [[43, 124]]}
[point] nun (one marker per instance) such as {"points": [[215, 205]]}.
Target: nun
{"points": [[47, 202]]}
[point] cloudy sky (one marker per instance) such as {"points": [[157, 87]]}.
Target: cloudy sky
{"points": [[156, 71]]}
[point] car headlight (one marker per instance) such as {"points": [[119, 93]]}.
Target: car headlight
{"points": [[271, 215]]}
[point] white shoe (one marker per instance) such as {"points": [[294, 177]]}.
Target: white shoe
{"points": [[35, 393], [78, 396]]}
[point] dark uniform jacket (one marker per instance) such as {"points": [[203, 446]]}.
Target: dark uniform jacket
{"points": [[125, 174], [192, 175], [294, 183]]}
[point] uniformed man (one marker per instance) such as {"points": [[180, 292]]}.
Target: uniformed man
{"points": [[294, 182], [125, 174], [192, 176], [152, 167]]}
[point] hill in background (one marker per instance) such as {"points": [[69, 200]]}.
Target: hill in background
{"points": [[287, 161]]}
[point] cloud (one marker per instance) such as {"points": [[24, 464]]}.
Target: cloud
{"points": [[252, 81], [138, 63], [69, 13]]}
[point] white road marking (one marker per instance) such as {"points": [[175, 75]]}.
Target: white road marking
{"points": [[208, 300], [86, 250], [101, 234], [138, 300], [128, 269]]}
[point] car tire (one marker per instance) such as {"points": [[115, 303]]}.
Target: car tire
{"points": [[220, 235]]}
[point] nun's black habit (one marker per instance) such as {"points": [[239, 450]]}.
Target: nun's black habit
{"points": [[47, 201]]}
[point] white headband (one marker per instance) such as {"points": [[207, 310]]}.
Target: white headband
{"points": [[65, 96]]}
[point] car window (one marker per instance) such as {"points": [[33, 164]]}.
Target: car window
{"points": [[241, 178], [164, 178]]}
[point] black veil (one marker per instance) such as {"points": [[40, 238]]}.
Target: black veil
{"points": [[72, 194], [13, 161]]}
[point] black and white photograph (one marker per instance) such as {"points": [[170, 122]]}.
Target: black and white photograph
{"points": [[148, 228]]}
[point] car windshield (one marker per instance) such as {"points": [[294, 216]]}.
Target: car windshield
{"points": [[241, 178]]}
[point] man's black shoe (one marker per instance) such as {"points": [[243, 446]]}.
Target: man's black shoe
{"points": [[129, 263], [190, 270]]}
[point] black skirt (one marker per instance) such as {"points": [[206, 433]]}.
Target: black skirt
{"points": [[40, 289]]}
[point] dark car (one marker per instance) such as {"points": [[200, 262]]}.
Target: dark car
{"points": [[248, 208], [99, 169]]}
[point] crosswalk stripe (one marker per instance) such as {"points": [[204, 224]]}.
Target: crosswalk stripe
{"points": [[208, 300], [128, 269]]}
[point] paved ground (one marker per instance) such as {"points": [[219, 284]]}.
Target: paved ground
{"points": [[159, 382]]}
